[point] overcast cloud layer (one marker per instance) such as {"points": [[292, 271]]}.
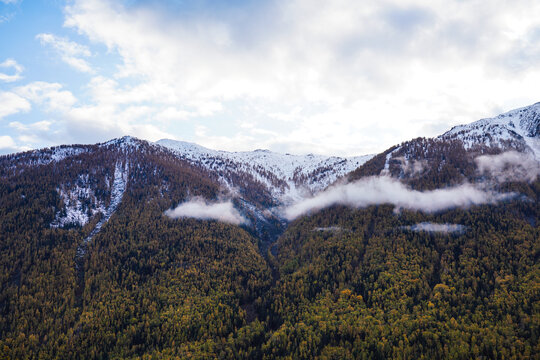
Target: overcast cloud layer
{"points": [[200, 209], [335, 77], [385, 190]]}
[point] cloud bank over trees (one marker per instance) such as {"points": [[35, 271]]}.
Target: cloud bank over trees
{"points": [[509, 166], [198, 208], [385, 190]]}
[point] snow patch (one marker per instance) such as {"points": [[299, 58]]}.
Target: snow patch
{"points": [[287, 177], [117, 193], [61, 153], [517, 129], [126, 143], [80, 202], [329, 229], [386, 168]]}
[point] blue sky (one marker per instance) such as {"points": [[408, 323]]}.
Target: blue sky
{"points": [[341, 77]]}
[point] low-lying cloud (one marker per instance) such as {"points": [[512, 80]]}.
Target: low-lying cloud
{"points": [[198, 208], [385, 190], [411, 167], [329, 229], [436, 228], [509, 166]]}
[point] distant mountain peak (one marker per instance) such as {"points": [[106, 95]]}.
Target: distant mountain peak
{"points": [[286, 176], [517, 129], [124, 142]]}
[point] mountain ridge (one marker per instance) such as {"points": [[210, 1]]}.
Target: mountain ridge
{"points": [[518, 128], [121, 278], [287, 176], [266, 180]]}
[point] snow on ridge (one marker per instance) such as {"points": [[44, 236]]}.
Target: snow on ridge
{"points": [[60, 153], [117, 193], [386, 169], [80, 202], [518, 129], [118, 187], [286, 176], [124, 143], [47, 155]]}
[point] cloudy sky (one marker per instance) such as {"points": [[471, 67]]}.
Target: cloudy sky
{"points": [[342, 77]]}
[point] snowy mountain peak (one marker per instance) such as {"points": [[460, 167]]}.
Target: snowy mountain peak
{"points": [[286, 176], [529, 120], [185, 147], [124, 143], [517, 129]]}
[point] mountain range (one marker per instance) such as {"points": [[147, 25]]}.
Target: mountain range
{"points": [[134, 249]]}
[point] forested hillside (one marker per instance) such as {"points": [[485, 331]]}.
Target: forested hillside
{"points": [[362, 284], [149, 283], [92, 267]]}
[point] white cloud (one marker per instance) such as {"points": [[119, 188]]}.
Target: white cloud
{"points": [[99, 122], [70, 52], [172, 113], [6, 142], [101, 119], [200, 209], [34, 133], [8, 145], [5, 18], [10, 63], [436, 228], [50, 96], [43, 125], [11, 103], [508, 166], [385, 190], [383, 70]]}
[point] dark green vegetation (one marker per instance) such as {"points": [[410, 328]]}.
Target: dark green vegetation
{"points": [[370, 290], [361, 287]]}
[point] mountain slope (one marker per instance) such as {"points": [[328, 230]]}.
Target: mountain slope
{"points": [[369, 283], [92, 267], [518, 129], [287, 177], [452, 158], [380, 282], [139, 271]]}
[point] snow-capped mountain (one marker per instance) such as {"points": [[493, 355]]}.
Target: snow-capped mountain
{"points": [[517, 129], [287, 177], [94, 244], [261, 180], [452, 158]]}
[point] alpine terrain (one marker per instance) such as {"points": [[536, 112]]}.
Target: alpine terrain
{"points": [[134, 249]]}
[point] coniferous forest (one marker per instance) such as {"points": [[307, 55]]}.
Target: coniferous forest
{"points": [[340, 283]]}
